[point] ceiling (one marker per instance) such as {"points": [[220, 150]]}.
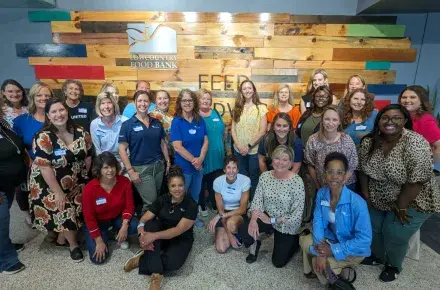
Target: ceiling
{"points": [[403, 6]]}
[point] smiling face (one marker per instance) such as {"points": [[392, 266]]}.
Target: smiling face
{"points": [[142, 104], [283, 95], [335, 174], [231, 171], [13, 93], [247, 90], [357, 102], [176, 186], [331, 121], [73, 92], [318, 80], [281, 163], [41, 98], [106, 107], [355, 83], [321, 99], [205, 101], [57, 114], [281, 128], [108, 172], [187, 103], [392, 122], [411, 101], [162, 101]]}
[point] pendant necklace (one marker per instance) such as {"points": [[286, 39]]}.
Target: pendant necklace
{"points": [[10, 140]]}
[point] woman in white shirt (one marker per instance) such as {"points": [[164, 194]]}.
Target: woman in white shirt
{"points": [[232, 196]]}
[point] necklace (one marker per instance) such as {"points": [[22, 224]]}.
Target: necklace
{"points": [[10, 140]]}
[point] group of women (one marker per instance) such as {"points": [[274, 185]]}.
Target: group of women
{"points": [[338, 162]]}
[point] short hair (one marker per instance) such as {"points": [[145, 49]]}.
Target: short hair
{"points": [[333, 156], [105, 86], [202, 92], [138, 93], [231, 158], [112, 98], [33, 92], [138, 83], [281, 150], [105, 158], [76, 82], [24, 101], [175, 171]]}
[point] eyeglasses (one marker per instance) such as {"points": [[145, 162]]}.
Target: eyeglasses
{"points": [[394, 119], [188, 101], [335, 172], [321, 97]]}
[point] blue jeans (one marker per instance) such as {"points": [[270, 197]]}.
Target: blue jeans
{"points": [[249, 167], [193, 184], [103, 227], [8, 254]]}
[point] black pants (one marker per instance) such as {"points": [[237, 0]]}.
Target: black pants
{"points": [[22, 198], [284, 247], [168, 255], [208, 182]]}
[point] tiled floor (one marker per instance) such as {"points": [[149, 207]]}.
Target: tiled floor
{"points": [[51, 268]]}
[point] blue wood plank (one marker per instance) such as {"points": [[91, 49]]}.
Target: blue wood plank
{"points": [[57, 50], [385, 89], [377, 65]]}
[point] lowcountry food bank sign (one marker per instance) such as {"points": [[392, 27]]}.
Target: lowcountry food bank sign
{"points": [[152, 46]]}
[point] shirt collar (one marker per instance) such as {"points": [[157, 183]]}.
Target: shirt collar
{"points": [[117, 120], [343, 199]]}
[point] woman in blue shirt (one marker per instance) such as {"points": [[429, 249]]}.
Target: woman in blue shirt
{"points": [[341, 225], [359, 114], [190, 142], [212, 167]]}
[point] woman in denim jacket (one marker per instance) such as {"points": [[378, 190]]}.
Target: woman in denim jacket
{"points": [[341, 226]]}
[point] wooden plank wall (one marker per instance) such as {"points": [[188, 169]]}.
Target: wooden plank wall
{"points": [[221, 49]]}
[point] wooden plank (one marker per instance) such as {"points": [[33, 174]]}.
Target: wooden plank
{"points": [[57, 50], [335, 42], [225, 17], [337, 19], [240, 28], [93, 87], [275, 71], [91, 38], [69, 71], [377, 65], [220, 40], [48, 15], [201, 64], [121, 73], [376, 30], [219, 52], [121, 27], [366, 54], [325, 64], [131, 16], [65, 26], [189, 74], [341, 76], [300, 29], [71, 61], [186, 52], [107, 51], [274, 78], [295, 53], [297, 88]]}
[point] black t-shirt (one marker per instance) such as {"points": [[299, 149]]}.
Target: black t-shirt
{"points": [[12, 167], [83, 115], [170, 214]]}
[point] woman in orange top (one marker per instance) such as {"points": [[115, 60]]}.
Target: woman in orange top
{"points": [[283, 103]]}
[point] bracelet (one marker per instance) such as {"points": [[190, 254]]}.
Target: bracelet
{"points": [[273, 220], [140, 225], [128, 169]]}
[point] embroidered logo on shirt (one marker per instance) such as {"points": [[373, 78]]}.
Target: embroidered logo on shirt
{"points": [[192, 131]]}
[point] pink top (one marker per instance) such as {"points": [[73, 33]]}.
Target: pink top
{"points": [[427, 126]]}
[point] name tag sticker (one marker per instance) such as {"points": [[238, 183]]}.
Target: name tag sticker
{"points": [[138, 128], [324, 202], [60, 152], [155, 126], [192, 131], [308, 105], [216, 120], [82, 110], [101, 200], [361, 128]]}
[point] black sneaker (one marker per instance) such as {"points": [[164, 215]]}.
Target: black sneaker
{"points": [[76, 255], [18, 247], [389, 274], [371, 261], [14, 269]]}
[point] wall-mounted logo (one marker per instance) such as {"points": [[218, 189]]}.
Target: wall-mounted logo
{"points": [[152, 46]]}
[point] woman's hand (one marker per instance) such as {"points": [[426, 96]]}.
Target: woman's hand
{"points": [[253, 229], [122, 234], [320, 264], [100, 250], [244, 150], [402, 215], [264, 218], [197, 162], [212, 223], [323, 249], [147, 238], [134, 177], [60, 200], [167, 167]]}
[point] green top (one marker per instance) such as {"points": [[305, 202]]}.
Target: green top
{"points": [[308, 128]]}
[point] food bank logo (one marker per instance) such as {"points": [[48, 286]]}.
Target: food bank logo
{"points": [[152, 46]]}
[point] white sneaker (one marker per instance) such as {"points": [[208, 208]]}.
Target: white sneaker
{"points": [[203, 213]]}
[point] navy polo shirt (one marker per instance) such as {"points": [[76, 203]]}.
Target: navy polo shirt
{"points": [[143, 142], [192, 136]]}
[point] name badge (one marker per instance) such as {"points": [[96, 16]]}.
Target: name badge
{"points": [[60, 152], [324, 202], [192, 131], [215, 119], [138, 128], [82, 110], [101, 200], [361, 128], [308, 105]]}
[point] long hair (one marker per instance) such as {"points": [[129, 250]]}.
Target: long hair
{"points": [[275, 96], [239, 101], [422, 94], [76, 82], [24, 101], [33, 92], [113, 100], [195, 111], [374, 134], [270, 140], [366, 111], [312, 108], [338, 112], [347, 91], [324, 73], [48, 126]]}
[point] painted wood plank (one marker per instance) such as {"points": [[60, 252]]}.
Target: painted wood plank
{"points": [[335, 42], [337, 19], [65, 26], [71, 61], [377, 65], [376, 30], [69, 72], [295, 53], [220, 40], [341, 76], [393, 89], [325, 64], [121, 27], [225, 17], [48, 15], [240, 28], [132, 16], [380, 104], [56, 50], [379, 54], [91, 38]]}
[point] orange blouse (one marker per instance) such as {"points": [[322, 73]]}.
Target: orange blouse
{"points": [[294, 115]]}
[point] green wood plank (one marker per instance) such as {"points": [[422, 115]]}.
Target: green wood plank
{"points": [[375, 30], [48, 15], [377, 65]]}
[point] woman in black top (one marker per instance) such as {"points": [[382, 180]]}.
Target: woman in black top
{"points": [[165, 231]]}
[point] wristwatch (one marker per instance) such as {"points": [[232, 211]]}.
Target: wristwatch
{"points": [[220, 215]]}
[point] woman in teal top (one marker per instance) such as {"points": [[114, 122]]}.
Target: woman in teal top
{"points": [[216, 151]]}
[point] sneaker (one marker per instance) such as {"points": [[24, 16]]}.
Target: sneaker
{"points": [[133, 262], [371, 261], [239, 241], [156, 281], [389, 274], [14, 269], [18, 247], [199, 223], [76, 255], [203, 211]]}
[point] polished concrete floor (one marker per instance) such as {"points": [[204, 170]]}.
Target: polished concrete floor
{"points": [[48, 267]]}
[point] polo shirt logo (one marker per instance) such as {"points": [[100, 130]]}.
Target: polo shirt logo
{"points": [[192, 131]]}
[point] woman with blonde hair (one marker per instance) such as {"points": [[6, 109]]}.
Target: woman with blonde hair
{"points": [[318, 78], [354, 82], [80, 112], [249, 123], [283, 103], [110, 88]]}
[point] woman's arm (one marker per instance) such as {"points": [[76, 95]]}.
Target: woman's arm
{"points": [[95, 140], [183, 226], [296, 166], [178, 147], [302, 106], [235, 139], [88, 163], [313, 175], [363, 180], [262, 163], [204, 148], [436, 151], [49, 177], [261, 132], [408, 194], [166, 155], [241, 210]]}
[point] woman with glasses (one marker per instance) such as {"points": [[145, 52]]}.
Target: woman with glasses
{"points": [[398, 182], [15, 101]]}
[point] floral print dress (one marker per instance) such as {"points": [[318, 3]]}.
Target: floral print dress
{"points": [[68, 164]]}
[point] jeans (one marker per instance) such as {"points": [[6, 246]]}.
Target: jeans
{"points": [[193, 184], [151, 176], [249, 166], [8, 254], [103, 227], [390, 238]]}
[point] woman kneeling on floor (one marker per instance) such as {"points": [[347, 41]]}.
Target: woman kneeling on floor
{"points": [[341, 225], [165, 232], [277, 208], [107, 201], [231, 196]]}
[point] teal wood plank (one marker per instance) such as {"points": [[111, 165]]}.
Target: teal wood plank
{"points": [[376, 30], [48, 15], [377, 65]]}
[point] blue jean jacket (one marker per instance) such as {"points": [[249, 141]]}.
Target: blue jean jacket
{"points": [[353, 226]]}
